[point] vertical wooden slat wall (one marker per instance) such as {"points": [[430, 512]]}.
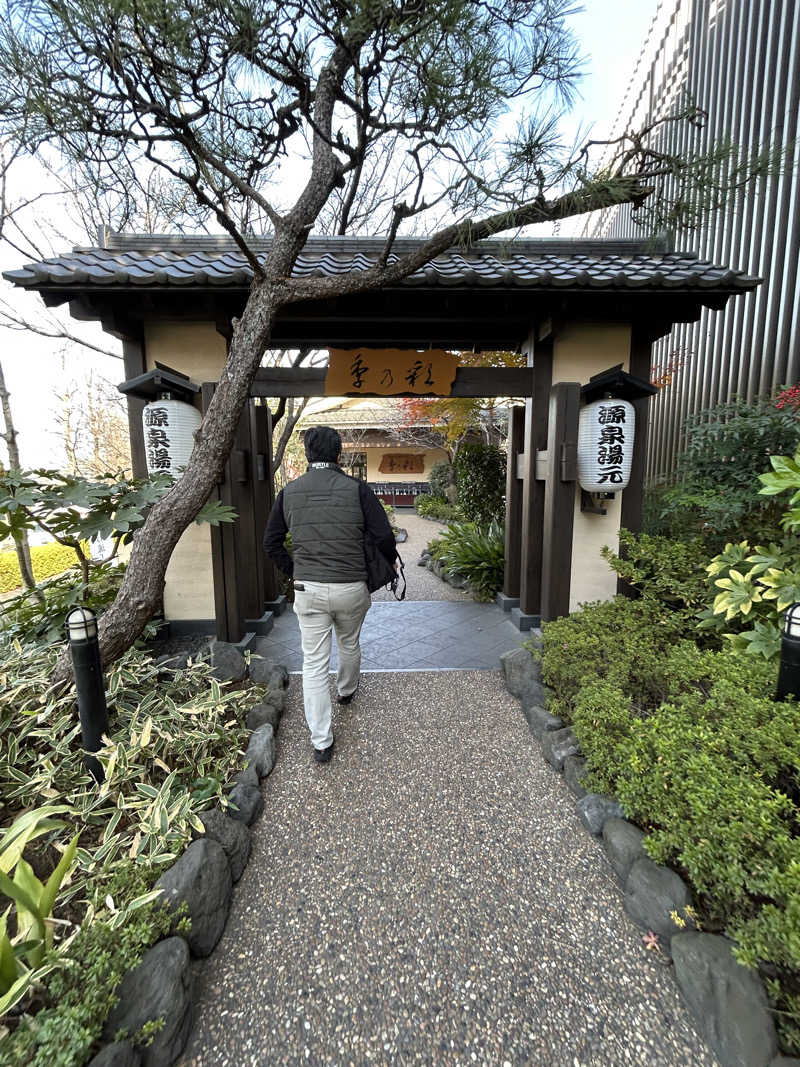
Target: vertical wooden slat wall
{"points": [[740, 60]]}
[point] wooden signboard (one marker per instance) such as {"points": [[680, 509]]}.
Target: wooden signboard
{"points": [[389, 372], [402, 463]]}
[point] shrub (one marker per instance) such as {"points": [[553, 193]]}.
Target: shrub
{"points": [[390, 515], [691, 743], [175, 743], [753, 586], [481, 481], [46, 560], [716, 494], [473, 553], [670, 573], [621, 641], [441, 479], [431, 507]]}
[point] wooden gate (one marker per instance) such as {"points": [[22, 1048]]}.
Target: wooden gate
{"points": [[245, 581]]}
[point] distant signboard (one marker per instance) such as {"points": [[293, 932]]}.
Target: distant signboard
{"points": [[402, 463]]}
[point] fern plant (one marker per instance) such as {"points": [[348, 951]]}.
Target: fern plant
{"points": [[475, 553]]}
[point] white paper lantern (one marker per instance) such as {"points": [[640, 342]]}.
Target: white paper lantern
{"points": [[605, 445], [169, 428]]}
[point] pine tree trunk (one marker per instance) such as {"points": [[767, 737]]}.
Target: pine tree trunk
{"points": [[142, 587]]}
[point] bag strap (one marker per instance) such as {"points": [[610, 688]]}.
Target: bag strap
{"points": [[395, 581]]}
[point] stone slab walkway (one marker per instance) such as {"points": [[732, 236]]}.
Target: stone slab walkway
{"points": [[411, 635], [429, 897]]}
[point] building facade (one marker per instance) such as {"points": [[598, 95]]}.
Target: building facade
{"points": [[740, 61]]}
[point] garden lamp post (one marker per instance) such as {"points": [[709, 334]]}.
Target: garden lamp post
{"points": [[789, 672], [89, 686]]}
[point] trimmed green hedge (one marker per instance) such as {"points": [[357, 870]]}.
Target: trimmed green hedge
{"points": [[481, 481], [47, 560], [698, 753]]}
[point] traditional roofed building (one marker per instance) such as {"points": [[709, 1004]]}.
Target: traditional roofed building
{"points": [[576, 308]]}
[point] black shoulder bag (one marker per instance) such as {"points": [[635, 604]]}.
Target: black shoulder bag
{"points": [[380, 571]]}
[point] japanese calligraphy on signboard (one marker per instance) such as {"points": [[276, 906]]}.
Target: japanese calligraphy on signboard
{"points": [[169, 429], [605, 445], [389, 372], [402, 463]]}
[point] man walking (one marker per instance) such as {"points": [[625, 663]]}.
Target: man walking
{"points": [[327, 513]]}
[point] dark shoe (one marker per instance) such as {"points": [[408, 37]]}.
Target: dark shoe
{"points": [[348, 698], [323, 755]]}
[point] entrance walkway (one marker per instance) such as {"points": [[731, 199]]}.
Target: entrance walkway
{"points": [[429, 897], [409, 636], [435, 627]]}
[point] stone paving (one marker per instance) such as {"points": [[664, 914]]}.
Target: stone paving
{"points": [[429, 897], [411, 635], [435, 627]]}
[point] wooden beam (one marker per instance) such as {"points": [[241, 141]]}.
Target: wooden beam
{"points": [[469, 382], [559, 501], [513, 554]]}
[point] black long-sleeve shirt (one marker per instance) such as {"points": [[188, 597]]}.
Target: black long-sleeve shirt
{"points": [[375, 523]]}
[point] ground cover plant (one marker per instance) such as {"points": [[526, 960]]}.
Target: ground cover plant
{"points": [[176, 739]]}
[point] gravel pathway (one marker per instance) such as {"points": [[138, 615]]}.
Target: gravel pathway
{"points": [[422, 585], [429, 897]]}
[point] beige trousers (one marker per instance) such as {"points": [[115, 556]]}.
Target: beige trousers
{"points": [[320, 608]]}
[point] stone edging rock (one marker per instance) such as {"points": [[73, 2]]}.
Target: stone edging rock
{"points": [[435, 567], [728, 1001], [199, 884]]}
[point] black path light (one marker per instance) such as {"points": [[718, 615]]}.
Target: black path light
{"points": [[789, 673], [89, 685]]}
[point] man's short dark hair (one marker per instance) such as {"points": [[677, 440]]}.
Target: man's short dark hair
{"points": [[323, 444]]}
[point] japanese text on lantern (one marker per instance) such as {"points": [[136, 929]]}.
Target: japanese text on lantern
{"points": [[157, 442], [611, 443], [389, 372]]}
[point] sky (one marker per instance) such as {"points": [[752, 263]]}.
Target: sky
{"points": [[610, 33]]}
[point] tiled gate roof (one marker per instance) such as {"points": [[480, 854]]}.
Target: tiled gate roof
{"points": [[174, 262]]}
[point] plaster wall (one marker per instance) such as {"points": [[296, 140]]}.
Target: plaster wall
{"points": [[189, 583], [580, 351], [374, 456], [196, 349], [193, 348]]}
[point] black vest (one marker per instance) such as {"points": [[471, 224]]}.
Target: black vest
{"points": [[322, 509]]}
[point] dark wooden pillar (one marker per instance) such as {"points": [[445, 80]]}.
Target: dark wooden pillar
{"points": [[134, 360], [223, 555], [559, 504], [540, 358], [640, 364], [509, 598], [264, 498]]}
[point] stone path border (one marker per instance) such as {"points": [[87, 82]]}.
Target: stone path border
{"points": [[198, 886], [728, 1001]]}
